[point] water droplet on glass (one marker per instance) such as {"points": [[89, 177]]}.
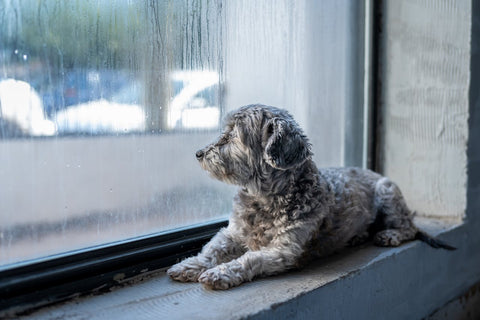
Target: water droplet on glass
{"points": [[16, 51], [25, 57]]}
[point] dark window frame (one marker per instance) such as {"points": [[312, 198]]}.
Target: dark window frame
{"points": [[98, 269]]}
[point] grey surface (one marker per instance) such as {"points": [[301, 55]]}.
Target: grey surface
{"points": [[465, 307], [359, 278], [409, 284]]}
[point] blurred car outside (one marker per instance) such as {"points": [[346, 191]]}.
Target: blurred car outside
{"points": [[196, 102], [105, 102], [21, 110]]}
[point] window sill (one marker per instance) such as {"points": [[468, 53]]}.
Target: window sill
{"points": [[358, 283]]}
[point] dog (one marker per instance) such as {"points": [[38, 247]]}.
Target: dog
{"points": [[287, 211]]}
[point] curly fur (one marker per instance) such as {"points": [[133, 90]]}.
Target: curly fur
{"points": [[287, 211]]}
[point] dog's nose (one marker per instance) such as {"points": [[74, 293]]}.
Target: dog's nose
{"points": [[199, 154]]}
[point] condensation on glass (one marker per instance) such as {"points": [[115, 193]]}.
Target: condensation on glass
{"points": [[104, 103]]}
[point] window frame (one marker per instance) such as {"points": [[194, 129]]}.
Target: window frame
{"points": [[36, 283]]}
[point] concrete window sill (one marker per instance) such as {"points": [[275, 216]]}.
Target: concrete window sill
{"points": [[351, 284]]}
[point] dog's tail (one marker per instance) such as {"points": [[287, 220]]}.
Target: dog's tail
{"points": [[431, 241]]}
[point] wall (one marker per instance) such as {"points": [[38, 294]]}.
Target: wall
{"points": [[425, 81], [467, 306]]}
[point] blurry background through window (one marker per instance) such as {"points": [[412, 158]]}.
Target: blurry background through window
{"points": [[104, 103]]}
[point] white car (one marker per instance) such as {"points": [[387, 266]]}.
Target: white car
{"points": [[196, 105], [21, 106], [101, 117]]}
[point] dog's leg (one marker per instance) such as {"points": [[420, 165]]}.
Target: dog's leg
{"points": [[248, 266], [222, 248], [396, 217], [283, 253]]}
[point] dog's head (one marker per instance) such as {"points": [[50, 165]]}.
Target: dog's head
{"points": [[257, 141]]}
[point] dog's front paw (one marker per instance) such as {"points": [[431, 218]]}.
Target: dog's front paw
{"points": [[222, 277], [187, 271]]}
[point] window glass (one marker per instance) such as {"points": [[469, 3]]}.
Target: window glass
{"points": [[104, 103]]}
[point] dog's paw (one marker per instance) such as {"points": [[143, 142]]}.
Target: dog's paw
{"points": [[221, 277], [186, 271], [388, 238]]}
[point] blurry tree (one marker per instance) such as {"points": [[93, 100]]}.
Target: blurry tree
{"points": [[80, 33], [94, 34], [147, 39]]}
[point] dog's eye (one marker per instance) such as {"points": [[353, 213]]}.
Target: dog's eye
{"points": [[224, 139]]}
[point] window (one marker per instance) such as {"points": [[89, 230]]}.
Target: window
{"points": [[103, 106], [104, 103]]}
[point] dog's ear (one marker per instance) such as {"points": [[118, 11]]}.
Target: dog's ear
{"points": [[286, 145]]}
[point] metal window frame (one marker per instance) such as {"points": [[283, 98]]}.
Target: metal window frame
{"points": [[98, 269], [363, 106]]}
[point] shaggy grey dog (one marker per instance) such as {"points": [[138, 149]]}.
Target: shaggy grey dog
{"points": [[288, 211]]}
